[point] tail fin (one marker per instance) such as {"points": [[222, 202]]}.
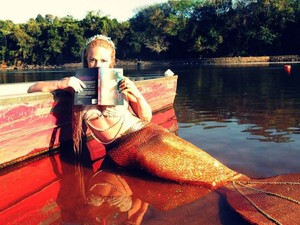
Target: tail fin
{"points": [[274, 200]]}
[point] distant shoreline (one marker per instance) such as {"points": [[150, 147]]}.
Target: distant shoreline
{"points": [[225, 60], [203, 61]]}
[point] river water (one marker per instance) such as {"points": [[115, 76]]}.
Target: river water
{"points": [[246, 116]]}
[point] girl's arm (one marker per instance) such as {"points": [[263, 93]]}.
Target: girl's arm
{"points": [[136, 100], [63, 84]]}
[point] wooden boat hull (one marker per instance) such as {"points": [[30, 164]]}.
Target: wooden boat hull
{"points": [[29, 192], [33, 124]]}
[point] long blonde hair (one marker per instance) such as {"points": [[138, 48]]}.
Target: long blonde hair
{"points": [[77, 125]]}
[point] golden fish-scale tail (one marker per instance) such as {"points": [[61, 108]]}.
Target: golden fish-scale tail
{"points": [[166, 155]]}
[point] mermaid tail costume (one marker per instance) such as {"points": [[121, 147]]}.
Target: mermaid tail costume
{"points": [[152, 148]]}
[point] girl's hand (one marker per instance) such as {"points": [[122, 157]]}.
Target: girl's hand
{"points": [[72, 82], [136, 100], [128, 87]]}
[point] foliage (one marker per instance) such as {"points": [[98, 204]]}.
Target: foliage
{"points": [[174, 29]]}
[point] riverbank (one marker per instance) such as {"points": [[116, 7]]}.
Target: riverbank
{"points": [[252, 59], [228, 60], [204, 61]]}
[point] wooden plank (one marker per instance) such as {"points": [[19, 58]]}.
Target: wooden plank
{"points": [[33, 124], [14, 88], [161, 93]]}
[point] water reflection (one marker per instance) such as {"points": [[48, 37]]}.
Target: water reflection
{"points": [[59, 190], [113, 197], [265, 99]]}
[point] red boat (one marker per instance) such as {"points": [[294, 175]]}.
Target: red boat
{"points": [[36, 123], [37, 190]]}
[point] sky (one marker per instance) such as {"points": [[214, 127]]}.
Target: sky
{"points": [[20, 11]]}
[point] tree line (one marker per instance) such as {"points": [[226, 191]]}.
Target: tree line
{"points": [[185, 29]]}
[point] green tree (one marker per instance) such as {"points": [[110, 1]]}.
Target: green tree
{"points": [[255, 28], [150, 28], [174, 29], [160, 27], [205, 29], [291, 33], [24, 45], [72, 38], [6, 31], [33, 30], [49, 43], [94, 23]]}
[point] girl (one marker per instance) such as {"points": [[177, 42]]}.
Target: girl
{"points": [[134, 143]]}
